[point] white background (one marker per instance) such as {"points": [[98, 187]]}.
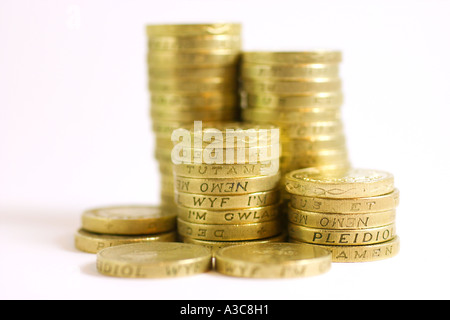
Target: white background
{"points": [[75, 133]]}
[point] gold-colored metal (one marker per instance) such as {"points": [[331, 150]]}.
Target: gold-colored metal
{"points": [[353, 183], [251, 200], [374, 252], [205, 171], [349, 237], [193, 74], [283, 72], [340, 220], [279, 117], [193, 29], [355, 205], [310, 130], [292, 88], [292, 58], [189, 100], [286, 103], [316, 143], [272, 260], [218, 232], [194, 43], [227, 113], [189, 86], [207, 58], [214, 246], [129, 220], [154, 260], [234, 217], [93, 242], [226, 186]]}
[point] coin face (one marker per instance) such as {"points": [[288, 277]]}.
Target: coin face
{"points": [[273, 260], [154, 260], [351, 183], [129, 220]]}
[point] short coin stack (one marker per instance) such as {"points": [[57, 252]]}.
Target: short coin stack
{"points": [[112, 226], [301, 93], [351, 213], [192, 76], [230, 201]]}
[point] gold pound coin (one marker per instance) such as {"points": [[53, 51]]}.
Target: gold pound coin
{"points": [[280, 117], [304, 71], [214, 246], [154, 260], [356, 205], [309, 131], [129, 220], [93, 242], [223, 114], [272, 260], [240, 232], [348, 237], [193, 29], [292, 58], [194, 43], [216, 58], [189, 100], [340, 220], [189, 86], [319, 142], [374, 252], [193, 74], [226, 186], [201, 201], [292, 88], [274, 101], [205, 171], [234, 217], [354, 183]]}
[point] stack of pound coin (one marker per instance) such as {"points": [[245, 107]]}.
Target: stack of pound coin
{"points": [[113, 226], [192, 73], [352, 213], [230, 194], [301, 93]]}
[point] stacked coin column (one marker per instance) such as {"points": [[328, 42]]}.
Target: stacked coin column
{"points": [[351, 214], [301, 93], [231, 203], [192, 76]]}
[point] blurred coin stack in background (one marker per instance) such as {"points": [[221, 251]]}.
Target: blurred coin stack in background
{"points": [[301, 93], [112, 226], [351, 213], [192, 76], [236, 199]]}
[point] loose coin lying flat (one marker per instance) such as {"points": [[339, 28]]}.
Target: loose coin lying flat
{"points": [[93, 242], [129, 220], [272, 260], [352, 183], [154, 260]]}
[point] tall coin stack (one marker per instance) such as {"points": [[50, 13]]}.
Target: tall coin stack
{"points": [[301, 93], [235, 200], [192, 76], [350, 213]]}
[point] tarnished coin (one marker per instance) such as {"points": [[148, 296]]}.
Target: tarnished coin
{"points": [[352, 183], [154, 260], [129, 220], [93, 242], [272, 260]]}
